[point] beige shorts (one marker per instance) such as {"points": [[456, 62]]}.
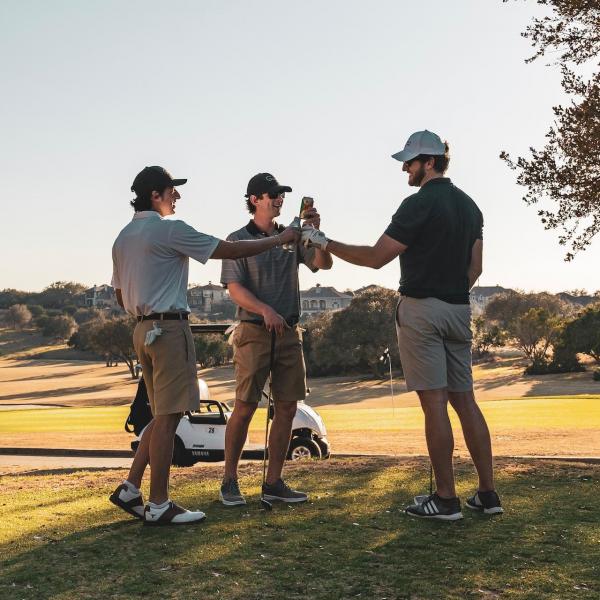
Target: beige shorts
{"points": [[434, 339], [251, 357], [169, 367]]}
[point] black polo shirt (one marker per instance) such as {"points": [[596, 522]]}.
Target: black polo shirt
{"points": [[439, 224]]}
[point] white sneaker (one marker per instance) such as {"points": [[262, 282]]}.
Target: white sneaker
{"points": [[172, 514]]}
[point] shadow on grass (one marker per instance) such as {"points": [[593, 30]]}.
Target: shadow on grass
{"points": [[351, 540]]}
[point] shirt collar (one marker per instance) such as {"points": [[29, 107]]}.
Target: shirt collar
{"points": [[437, 181], [252, 229], [146, 214]]}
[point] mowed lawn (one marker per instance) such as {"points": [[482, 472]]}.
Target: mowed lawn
{"points": [[554, 426], [61, 539]]}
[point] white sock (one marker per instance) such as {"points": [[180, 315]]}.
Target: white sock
{"points": [[131, 487], [158, 506]]}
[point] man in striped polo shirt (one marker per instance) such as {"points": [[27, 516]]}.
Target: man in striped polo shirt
{"points": [[267, 293]]}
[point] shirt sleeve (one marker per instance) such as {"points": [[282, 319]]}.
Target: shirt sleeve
{"points": [[409, 219], [189, 242], [233, 270], [115, 281]]}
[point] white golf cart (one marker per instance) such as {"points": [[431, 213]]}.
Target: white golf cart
{"points": [[200, 435]]}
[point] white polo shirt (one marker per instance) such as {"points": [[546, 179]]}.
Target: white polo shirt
{"points": [[151, 264]]}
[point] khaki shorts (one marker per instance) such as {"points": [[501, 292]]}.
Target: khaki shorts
{"points": [[434, 339], [251, 357], [168, 367]]}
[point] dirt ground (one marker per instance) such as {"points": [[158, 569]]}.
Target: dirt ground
{"points": [[84, 383], [28, 383]]}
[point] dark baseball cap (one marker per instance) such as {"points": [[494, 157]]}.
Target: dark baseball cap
{"points": [[150, 179], [263, 183]]}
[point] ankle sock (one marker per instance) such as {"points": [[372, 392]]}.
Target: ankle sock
{"points": [[158, 506], [132, 488]]}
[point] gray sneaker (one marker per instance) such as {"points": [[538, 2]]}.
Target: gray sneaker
{"points": [[230, 494], [282, 492]]}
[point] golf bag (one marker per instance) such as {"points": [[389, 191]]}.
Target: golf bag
{"points": [[139, 412]]}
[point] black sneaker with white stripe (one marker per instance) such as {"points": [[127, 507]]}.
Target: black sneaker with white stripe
{"points": [[485, 502], [434, 507]]}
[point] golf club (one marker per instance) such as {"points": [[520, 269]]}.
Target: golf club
{"points": [[387, 358], [265, 503]]}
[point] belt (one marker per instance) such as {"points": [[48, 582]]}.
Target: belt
{"points": [[177, 316], [291, 321]]}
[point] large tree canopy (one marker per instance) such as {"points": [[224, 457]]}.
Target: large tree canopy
{"points": [[566, 171]]}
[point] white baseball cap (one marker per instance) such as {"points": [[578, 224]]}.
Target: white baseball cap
{"points": [[421, 142]]}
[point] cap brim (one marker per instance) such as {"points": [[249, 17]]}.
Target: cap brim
{"points": [[405, 155], [178, 182], [281, 188]]}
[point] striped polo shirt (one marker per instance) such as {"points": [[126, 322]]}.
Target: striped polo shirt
{"points": [[271, 276]]}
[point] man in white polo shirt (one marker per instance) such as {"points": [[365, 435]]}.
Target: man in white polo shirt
{"points": [[150, 276]]}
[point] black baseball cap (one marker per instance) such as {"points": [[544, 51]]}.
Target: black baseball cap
{"points": [[151, 178], [264, 183]]}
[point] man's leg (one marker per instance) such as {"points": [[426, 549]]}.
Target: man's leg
{"points": [[161, 454], [477, 436], [141, 458], [279, 439], [440, 441], [235, 436]]}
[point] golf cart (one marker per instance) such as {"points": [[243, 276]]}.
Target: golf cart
{"points": [[200, 435]]}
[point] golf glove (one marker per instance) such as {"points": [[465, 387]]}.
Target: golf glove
{"points": [[295, 224], [314, 237]]}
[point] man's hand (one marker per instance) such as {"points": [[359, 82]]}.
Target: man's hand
{"points": [[312, 217], [314, 237], [289, 236], [274, 321]]}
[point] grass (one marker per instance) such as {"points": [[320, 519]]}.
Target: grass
{"points": [[61, 539], [544, 413]]}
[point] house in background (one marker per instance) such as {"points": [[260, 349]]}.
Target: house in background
{"points": [[320, 299], [101, 296], [207, 299], [481, 295]]}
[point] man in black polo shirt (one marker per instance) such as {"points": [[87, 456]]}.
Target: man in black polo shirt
{"points": [[437, 233]]}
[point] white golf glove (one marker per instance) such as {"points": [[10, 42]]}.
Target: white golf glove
{"points": [[295, 224], [314, 237]]}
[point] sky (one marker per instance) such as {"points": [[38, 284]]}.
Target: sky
{"points": [[318, 93]]}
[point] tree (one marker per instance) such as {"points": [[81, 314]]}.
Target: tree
{"points": [[8, 297], [115, 336], [535, 333], [582, 334], [355, 338], [19, 315], [211, 350], [486, 335], [36, 310], [59, 327], [566, 171], [60, 294], [503, 309]]}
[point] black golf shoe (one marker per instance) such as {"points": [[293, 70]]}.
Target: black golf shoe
{"points": [[281, 492], [230, 494], [434, 507], [485, 502]]}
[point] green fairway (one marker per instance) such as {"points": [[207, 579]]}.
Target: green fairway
{"points": [[62, 539], [539, 413]]}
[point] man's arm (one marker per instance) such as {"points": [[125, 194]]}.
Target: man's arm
{"points": [[384, 251], [323, 259], [247, 300], [476, 266], [119, 298], [245, 248]]}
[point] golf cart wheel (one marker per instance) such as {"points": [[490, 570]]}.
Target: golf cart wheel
{"points": [[180, 456], [302, 448]]}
